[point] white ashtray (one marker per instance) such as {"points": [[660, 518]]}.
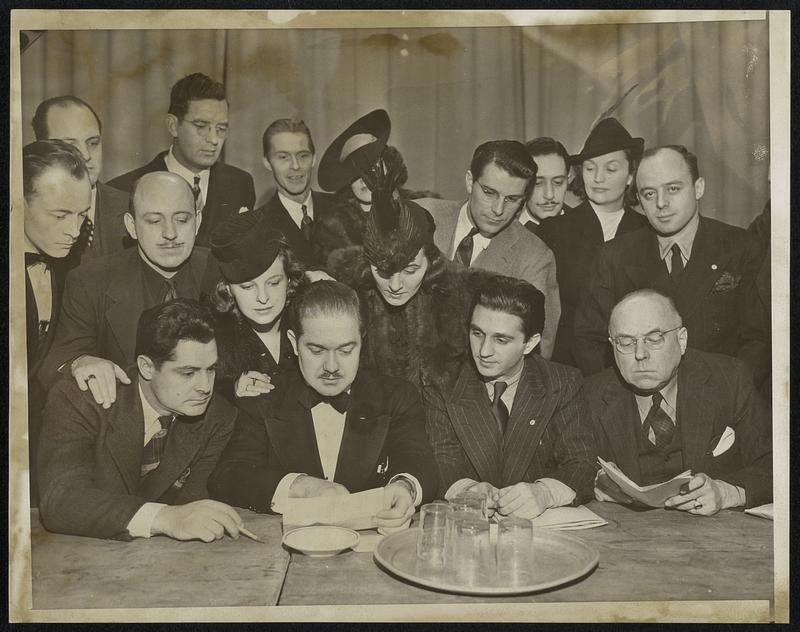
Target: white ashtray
{"points": [[321, 541]]}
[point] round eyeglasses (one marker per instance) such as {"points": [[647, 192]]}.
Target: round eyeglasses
{"points": [[654, 340]]}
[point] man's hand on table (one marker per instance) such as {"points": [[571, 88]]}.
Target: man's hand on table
{"points": [[398, 507], [607, 490], [490, 492], [205, 520], [99, 376], [704, 496], [524, 500], [305, 486]]}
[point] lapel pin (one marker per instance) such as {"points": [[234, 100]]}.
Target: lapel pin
{"points": [[532, 422], [713, 266]]}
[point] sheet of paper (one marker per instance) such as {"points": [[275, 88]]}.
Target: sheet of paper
{"points": [[565, 518], [649, 495], [354, 511], [762, 511]]}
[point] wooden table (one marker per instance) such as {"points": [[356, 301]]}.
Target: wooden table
{"points": [[75, 572], [644, 556]]}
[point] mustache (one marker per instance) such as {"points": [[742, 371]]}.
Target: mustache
{"points": [[327, 376]]}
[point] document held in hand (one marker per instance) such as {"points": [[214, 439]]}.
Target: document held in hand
{"points": [[649, 495]]}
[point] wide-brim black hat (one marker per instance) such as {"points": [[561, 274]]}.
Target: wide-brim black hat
{"points": [[245, 246], [364, 141], [607, 136]]}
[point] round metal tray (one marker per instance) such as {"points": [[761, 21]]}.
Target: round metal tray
{"points": [[558, 559]]}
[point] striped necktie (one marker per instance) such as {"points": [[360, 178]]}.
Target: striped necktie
{"points": [[154, 450]]}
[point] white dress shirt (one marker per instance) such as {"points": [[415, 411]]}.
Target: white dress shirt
{"points": [[39, 275], [609, 222], [463, 226], [295, 209], [328, 429], [142, 521], [173, 166]]}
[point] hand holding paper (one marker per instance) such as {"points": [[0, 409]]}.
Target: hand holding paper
{"points": [[649, 495]]}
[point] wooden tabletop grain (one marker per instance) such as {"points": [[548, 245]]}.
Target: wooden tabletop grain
{"points": [[644, 556]]}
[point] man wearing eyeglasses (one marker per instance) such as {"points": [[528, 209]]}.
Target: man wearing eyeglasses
{"points": [[481, 232], [198, 123], [665, 409]]}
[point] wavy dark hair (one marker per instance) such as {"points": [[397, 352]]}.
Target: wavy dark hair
{"points": [[223, 302], [629, 198], [162, 327]]}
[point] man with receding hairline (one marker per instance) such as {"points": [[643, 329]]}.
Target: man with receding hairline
{"points": [[197, 121], [103, 299], [74, 121], [708, 267], [666, 408]]}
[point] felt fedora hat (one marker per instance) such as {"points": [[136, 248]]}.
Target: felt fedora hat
{"points": [[245, 246], [607, 136], [362, 143]]}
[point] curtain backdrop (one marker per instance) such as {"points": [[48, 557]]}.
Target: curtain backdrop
{"points": [[705, 85]]}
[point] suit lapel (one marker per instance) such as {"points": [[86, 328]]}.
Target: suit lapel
{"points": [[502, 249], [365, 429], [446, 219], [475, 425], [615, 418], [647, 269], [694, 409], [699, 276], [126, 294], [125, 437], [291, 430], [531, 403]]}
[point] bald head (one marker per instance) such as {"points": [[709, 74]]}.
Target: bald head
{"points": [[163, 219], [651, 303]]}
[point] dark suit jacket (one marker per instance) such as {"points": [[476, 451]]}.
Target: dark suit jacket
{"points": [[103, 300], [575, 238], [229, 189], [275, 436], [548, 433], [716, 294], [110, 235], [90, 459], [36, 352], [310, 253], [714, 391]]}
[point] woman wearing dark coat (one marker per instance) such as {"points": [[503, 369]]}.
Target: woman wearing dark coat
{"points": [[604, 179], [259, 278]]}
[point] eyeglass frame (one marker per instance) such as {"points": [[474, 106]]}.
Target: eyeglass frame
{"points": [[636, 339]]}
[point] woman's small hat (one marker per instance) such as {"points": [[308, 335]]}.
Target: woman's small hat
{"points": [[607, 136], [362, 143], [245, 246]]}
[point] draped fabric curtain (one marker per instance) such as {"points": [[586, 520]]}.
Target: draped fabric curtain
{"points": [[705, 85]]}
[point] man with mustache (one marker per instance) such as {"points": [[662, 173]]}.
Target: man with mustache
{"points": [[57, 195], [329, 428], [103, 299], [198, 123], [140, 468]]}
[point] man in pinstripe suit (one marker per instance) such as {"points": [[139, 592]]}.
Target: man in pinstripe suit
{"points": [[511, 425]]}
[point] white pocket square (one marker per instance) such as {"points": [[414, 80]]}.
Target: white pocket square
{"points": [[725, 442], [243, 209]]}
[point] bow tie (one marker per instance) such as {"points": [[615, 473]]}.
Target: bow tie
{"points": [[32, 258], [311, 398]]}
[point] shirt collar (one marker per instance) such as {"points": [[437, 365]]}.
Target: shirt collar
{"points": [[295, 208], [526, 216], [669, 393], [684, 238], [162, 273], [464, 225], [511, 381], [149, 413], [187, 174]]}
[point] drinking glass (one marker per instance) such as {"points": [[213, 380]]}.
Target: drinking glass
{"points": [[470, 501], [474, 556], [432, 532], [514, 552]]}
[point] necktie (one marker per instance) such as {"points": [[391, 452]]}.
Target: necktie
{"points": [[663, 427], [198, 199], [305, 223], [677, 262], [169, 291], [340, 402], [498, 407], [464, 250], [154, 450]]}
